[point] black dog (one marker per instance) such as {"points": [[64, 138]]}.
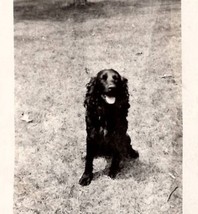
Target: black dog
{"points": [[107, 104]]}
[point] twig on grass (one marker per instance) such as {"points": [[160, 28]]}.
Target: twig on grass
{"points": [[86, 70], [139, 53], [167, 76], [171, 194], [172, 175]]}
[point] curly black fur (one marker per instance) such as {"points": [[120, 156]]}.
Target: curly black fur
{"points": [[107, 104]]}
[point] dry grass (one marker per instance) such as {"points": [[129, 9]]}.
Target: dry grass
{"points": [[57, 49]]}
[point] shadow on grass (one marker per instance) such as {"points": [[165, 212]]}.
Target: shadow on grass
{"points": [[135, 169], [35, 10], [45, 10]]}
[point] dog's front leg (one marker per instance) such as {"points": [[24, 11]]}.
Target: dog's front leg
{"points": [[114, 168], [88, 173]]}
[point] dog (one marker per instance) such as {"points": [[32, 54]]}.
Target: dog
{"points": [[107, 104]]}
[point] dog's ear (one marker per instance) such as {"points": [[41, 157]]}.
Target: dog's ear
{"points": [[91, 92], [91, 85], [125, 95], [124, 80], [124, 85]]}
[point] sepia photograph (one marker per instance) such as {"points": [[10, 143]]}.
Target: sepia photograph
{"points": [[98, 107]]}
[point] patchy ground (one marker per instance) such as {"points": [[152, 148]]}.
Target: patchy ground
{"points": [[57, 49]]}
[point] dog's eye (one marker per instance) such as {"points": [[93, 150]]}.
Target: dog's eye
{"points": [[115, 77], [104, 77]]}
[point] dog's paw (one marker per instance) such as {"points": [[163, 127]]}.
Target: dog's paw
{"points": [[112, 174], [85, 179], [134, 154]]}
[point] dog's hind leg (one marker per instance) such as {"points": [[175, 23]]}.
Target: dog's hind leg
{"points": [[131, 152]]}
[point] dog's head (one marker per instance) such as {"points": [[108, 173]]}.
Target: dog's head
{"points": [[109, 86]]}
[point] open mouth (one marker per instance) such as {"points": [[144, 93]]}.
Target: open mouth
{"points": [[109, 99]]}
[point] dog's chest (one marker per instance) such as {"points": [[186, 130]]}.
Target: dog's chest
{"points": [[108, 120]]}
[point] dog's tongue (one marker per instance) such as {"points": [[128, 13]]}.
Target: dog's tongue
{"points": [[110, 100]]}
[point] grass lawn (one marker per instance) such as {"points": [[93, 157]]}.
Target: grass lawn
{"points": [[57, 49]]}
